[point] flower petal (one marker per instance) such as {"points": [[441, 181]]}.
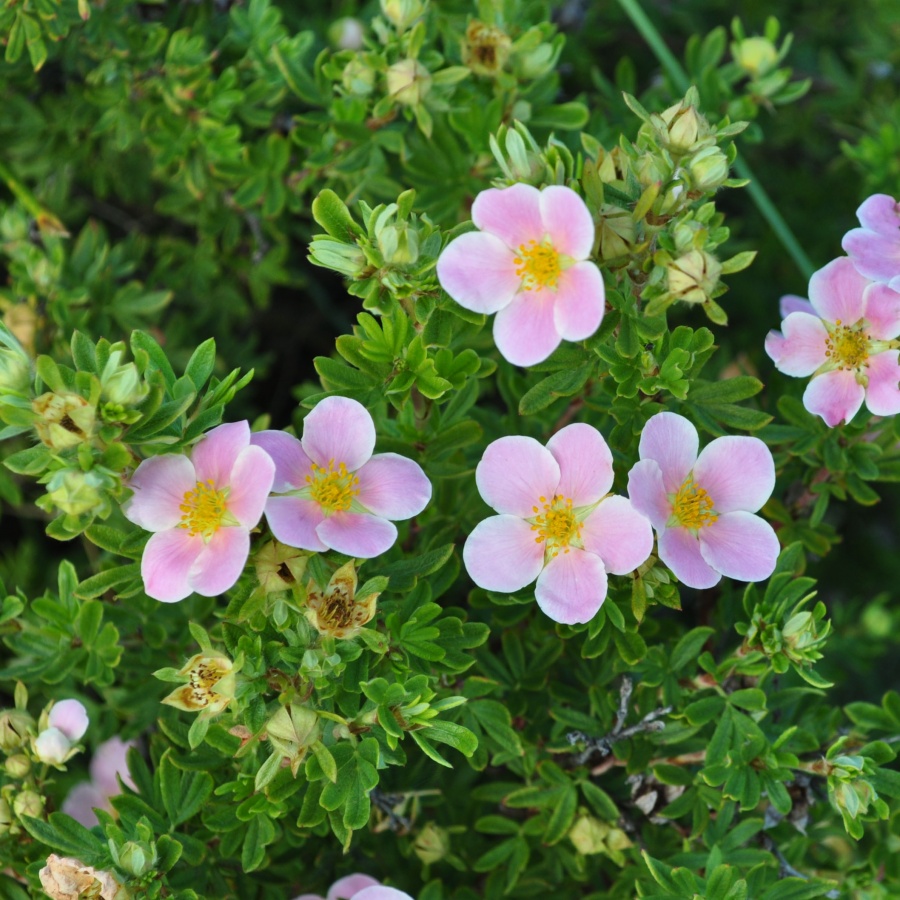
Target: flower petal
{"points": [[801, 348], [672, 441], [292, 465], [347, 887], [221, 561], [167, 562], [513, 214], [874, 256], [880, 213], [525, 330], [790, 303], [381, 893], [882, 311], [70, 717], [836, 396], [680, 550], [740, 546], [294, 521], [836, 292], [647, 492], [502, 555], [393, 486], [572, 587], [215, 455], [737, 472], [579, 302], [883, 393], [81, 802], [357, 534], [479, 272], [514, 473], [251, 480], [567, 221], [159, 486], [340, 430], [585, 463], [618, 534], [108, 763]]}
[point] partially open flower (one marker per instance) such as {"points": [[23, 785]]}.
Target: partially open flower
{"points": [[209, 688], [52, 747], [336, 611]]}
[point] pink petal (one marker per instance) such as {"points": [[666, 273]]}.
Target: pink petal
{"points": [[251, 480], [71, 718], [740, 546], [647, 492], [579, 302], [346, 888], [214, 456], [357, 534], [736, 472], [790, 303], [479, 272], [883, 393], [567, 221], [292, 465], [672, 441], [294, 520], [393, 486], [514, 473], [680, 550], [341, 430], [501, 554], [512, 214], [880, 213], [159, 486], [572, 587], [525, 331], [108, 763], [81, 802], [882, 312], [381, 893], [802, 347], [836, 396], [585, 463], [167, 562], [221, 561], [618, 534], [309, 897], [874, 256], [836, 292]]}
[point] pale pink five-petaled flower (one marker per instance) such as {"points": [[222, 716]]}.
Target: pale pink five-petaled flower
{"points": [[557, 522], [529, 264], [846, 341], [330, 492], [702, 506], [202, 509], [358, 887], [875, 248], [108, 764]]}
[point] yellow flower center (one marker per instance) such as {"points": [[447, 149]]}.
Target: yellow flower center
{"points": [[847, 346], [203, 509], [693, 507], [537, 265], [556, 524], [332, 488]]}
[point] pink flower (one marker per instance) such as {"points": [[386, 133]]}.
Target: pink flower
{"points": [[70, 717], [875, 248], [557, 523], [358, 887], [529, 264], [330, 492], [846, 342], [202, 509], [702, 506], [107, 766]]}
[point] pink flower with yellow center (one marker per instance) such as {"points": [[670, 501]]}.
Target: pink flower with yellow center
{"points": [[557, 524], [847, 342], [529, 264], [702, 505], [875, 247], [331, 492], [202, 508], [358, 887]]}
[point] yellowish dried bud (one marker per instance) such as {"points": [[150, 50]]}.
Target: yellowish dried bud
{"points": [[408, 82], [67, 878], [64, 419], [693, 276], [335, 611], [279, 567], [486, 49]]}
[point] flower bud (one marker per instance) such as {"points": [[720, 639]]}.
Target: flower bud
{"points": [[14, 725], [28, 803], [693, 276], [757, 56], [64, 419], [486, 49], [136, 857], [402, 13], [75, 492], [408, 82], [121, 384], [335, 611], [432, 843], [18, 766], [685, 127], [292, 731], [346, 33], [399, 244], [708, 169], [6, 816], [589, 835], [358, 78], [52, 747]]}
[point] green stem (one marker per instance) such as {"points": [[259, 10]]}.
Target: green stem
{"points": [[676, 72]]}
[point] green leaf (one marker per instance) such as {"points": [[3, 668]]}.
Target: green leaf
{"points": [[201, 363], [332, 214], [260, 833], [560, 384], [688, 648]]}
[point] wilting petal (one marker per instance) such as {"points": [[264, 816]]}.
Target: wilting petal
{"points": [[579, 302], [294, 521], [882, 311], [791, 303], [357, 534], [883, 393], [501, 554], [393, 486], [836, 292], [741, 546], [81, 802], [680, 550], [567, 221], [737, 473], [618, 534], [159, 486], [292, 465], [70, 717], [220, 563], [340, 430], [479, 272], [648, 493], [572, 587], [251, 481], [801, 349], [672, 441], [513, 214], [514, 472], [836, 396], [216, 453], [585, 463], [167, 562], [880, 213], [524, 331], [348, 887], [108, 763]]}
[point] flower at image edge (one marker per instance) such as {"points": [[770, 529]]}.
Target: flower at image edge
{"points": [[875, 247], [358, 887]]}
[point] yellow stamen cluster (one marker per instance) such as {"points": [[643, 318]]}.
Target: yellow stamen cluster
{"points": [[203, 509], [537, 265], [556, 524], [332, 488], [693, 507], [847, 346]]}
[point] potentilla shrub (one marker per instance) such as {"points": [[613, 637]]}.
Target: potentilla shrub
{"points": [[521, 598]]}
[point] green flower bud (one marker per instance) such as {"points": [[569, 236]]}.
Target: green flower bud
{"points": [[757, 56], [18, 766], [432, 843], [693, 276], [122, 384], [685, 127], [708, 169], [135, 857], [486, 49], [64, 419], [408, 82], [402, 13], [76, 493], [358, 78], [28, 803], [399, 244]]}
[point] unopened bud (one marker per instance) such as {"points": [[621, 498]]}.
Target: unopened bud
{"points": [[399, 245], [28, 803], [75, 492], [346, 33], [52, 747], [136, 857], [432, 843], [64, 419], [358, 78], [685, 126], [18, 766], [708, 169], [14, 725], [757, 56], [693, 276], [402, 13], [408, 82]]}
